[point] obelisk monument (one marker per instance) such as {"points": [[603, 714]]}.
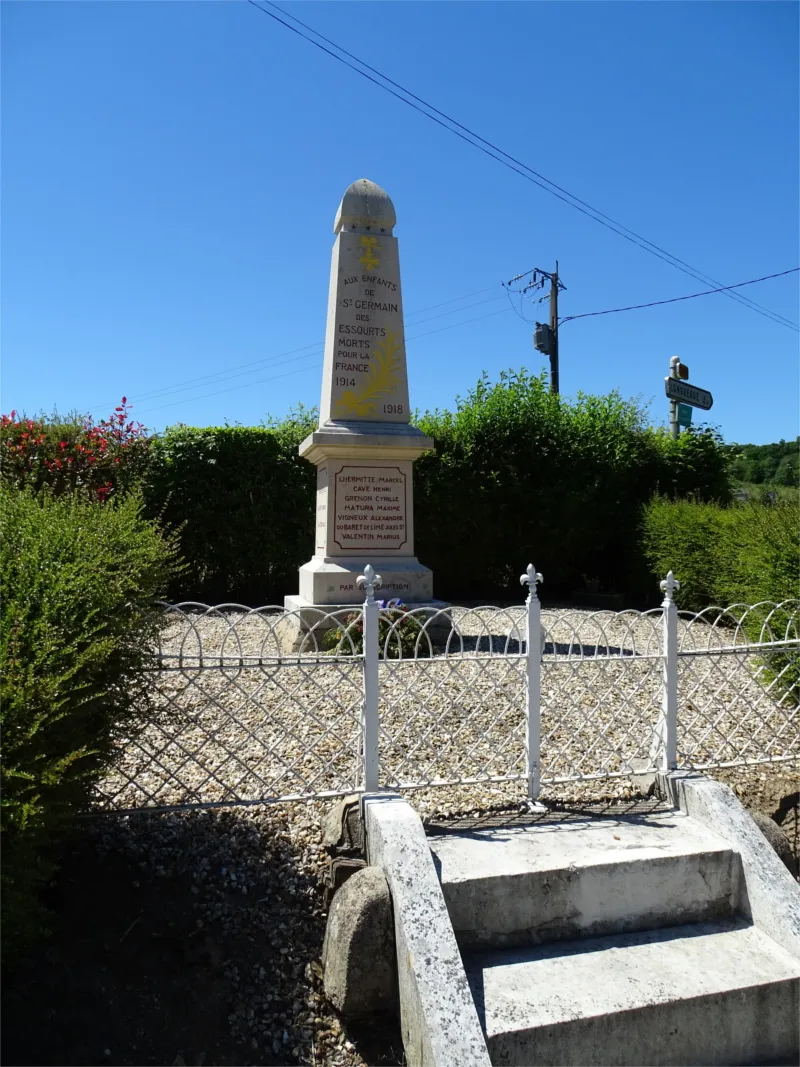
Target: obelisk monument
{"points": [[364, 447]]}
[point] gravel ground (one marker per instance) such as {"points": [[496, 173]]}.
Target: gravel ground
{"points": [[290, 727], [187, 938], [191, 937]]}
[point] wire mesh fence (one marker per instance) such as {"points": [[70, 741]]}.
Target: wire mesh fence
{"points": [[739, 685], [601, 692], [253, 706], [239, 718], [454, 712]]}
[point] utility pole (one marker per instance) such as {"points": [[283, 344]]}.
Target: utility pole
{"points": [[545, 335], [554, 383]]}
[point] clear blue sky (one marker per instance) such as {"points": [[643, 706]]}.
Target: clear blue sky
{"points": [[171, 173]]}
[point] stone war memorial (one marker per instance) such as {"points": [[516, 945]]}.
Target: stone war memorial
{"points": [[364, 448]]}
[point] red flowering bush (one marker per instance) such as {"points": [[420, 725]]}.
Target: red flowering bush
{"points": [[74, 455]]}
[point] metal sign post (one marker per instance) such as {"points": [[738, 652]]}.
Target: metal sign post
{"points": [[674, 428]]}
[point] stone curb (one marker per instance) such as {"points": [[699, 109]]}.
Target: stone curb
{"points": [[766, 893], [438, 1018]]}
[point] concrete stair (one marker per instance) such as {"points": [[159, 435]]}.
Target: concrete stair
{"points": [[708, 993], [615, 940], [582, 877]]}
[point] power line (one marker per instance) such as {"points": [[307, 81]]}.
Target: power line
{"points": [[314, 366], [309, 351], [617, 227], [508, 160], [243, 368], [675, 299]]}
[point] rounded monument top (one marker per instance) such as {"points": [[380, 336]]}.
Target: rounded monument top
{"points": [[365, 206]]}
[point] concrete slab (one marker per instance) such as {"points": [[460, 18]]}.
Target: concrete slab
{"points": [[709, 993], [556, 880]]}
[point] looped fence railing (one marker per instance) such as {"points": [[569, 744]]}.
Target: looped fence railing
{"points": [[260, 705]]}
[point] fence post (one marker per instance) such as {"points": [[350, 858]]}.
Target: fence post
{"points": [[669, 716], [370, 717], [533, 681]]}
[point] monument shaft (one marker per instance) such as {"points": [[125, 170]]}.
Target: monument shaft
{"points": [[364, 448], [364, 372]]}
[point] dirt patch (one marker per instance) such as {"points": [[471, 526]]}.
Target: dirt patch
{"points": [[773, 791], [186, 939]]}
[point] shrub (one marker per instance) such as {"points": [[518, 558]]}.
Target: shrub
{"points": [[686, 537], [743, 553], [763, 557], [518, 474], [242, 502], [521, 475], [77, 580], [73, 454], [695, 464]]}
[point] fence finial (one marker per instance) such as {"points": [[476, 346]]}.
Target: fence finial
{"points": [[369, 581], [669, 586], [531, 578]]}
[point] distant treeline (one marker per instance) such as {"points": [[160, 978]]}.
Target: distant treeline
{"points": [[776, 464]]}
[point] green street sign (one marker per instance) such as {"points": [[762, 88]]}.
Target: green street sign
{"points": [[684, 415]]}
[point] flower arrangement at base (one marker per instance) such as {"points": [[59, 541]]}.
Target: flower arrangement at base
{"points": [[398, 634]]}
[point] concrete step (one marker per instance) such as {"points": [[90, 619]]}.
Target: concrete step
{"points": [[578, 877], [708, 993]]}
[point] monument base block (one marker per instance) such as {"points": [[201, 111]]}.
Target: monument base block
{"points": [[303, 630], [334, 579], [329, 585]]}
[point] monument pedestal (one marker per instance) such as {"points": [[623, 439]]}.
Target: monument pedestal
{"points": [[364, 515], [364, 448]]}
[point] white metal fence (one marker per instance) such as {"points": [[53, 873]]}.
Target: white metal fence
{"points": [[254, 706]]}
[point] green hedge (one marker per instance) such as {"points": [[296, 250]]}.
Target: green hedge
{"points": [[743, 553], [77, 581], [521, 475], [517, 474], [242, 501]]}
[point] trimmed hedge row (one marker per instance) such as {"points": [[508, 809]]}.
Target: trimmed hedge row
{"points": [[77, 580], [521, 475], [518, 474], [242, 502], [744, 553]]}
